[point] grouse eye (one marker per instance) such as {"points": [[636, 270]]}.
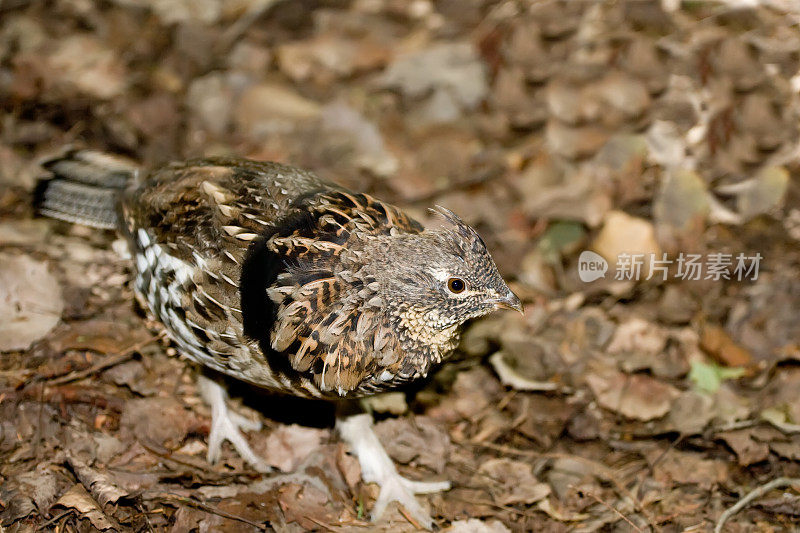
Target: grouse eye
{"points": [[456, 285]]}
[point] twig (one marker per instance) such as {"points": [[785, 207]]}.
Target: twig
{"points": [[146, 516], [55, 519], [203, 507], [612, 508], [321, 524], [105, 363], [520, 512], [86, 372], [651, 468], [40, 425], [410, 518], [237, 29], [163, 453], [732, 426], [748, 498]]}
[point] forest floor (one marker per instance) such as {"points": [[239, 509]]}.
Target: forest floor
{"points": [[553, 127]]}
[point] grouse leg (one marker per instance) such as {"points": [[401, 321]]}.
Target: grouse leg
{"points": [[226, 425], [377, 467]]}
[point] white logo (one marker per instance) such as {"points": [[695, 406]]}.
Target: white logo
{"points": [[591, 266]]}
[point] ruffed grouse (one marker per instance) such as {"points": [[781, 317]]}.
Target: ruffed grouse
{"points": [[271, 275]]}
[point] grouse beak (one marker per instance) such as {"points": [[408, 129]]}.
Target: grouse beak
{"points": [[510, 301]]}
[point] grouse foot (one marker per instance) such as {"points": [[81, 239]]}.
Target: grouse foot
{"points": [[377, 467], [226, 425]]}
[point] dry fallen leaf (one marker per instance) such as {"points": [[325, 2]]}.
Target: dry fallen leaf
{"points": [[103, 488], [452, 67], [690, 413], [624, 234], [77, 498], [719, 345], [87, 64], [513, 482], [688, 467], [158, 420], [305, 505], [681, 206], [101, 336], [268, 107], [473, 525], [420, 441], [767, 192], [638, 335], [288, 446], [748, 450], [510, 377], [30, 301], [388, 402], [638, 396]]}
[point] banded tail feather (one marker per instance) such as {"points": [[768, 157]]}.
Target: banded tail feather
{"points": [[84, 187]]}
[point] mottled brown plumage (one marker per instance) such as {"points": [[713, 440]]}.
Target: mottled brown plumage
{"points": [[271, 275]]}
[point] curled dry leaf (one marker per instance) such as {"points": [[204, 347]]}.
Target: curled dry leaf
{"points": [[510, 377], [77, 498], [665, 145], [28, 492], [102, 487], [780, 419]]}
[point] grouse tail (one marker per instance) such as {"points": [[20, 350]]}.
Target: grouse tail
{"points": [[84, 187]]}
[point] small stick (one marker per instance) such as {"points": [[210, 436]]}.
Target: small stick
{"points": [[508, 508], [55, 519], [203, 507], [321, 523], [410, 518], [613, 509], [106, 362], [748, 498]]}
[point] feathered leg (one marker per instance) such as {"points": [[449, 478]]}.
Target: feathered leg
{"points": [[377, 467], [226, 425]]}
